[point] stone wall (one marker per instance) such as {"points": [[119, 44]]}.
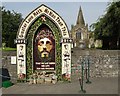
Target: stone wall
{"points": [[103, 63], [6, 64]]}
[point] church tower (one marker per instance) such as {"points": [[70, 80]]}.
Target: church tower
{"points": [[79, 32], [80, 18]]}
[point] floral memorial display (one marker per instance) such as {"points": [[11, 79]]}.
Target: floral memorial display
{"points": [[43, 45]]}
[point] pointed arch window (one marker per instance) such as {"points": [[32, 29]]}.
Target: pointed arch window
{"points": [[78, 35]]}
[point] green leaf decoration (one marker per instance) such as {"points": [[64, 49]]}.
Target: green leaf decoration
{"points": [[30, 37]]}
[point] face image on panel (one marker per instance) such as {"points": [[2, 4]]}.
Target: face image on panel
{"points": [[44, 47]]}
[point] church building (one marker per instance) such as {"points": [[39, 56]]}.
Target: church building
{"points": [[79, 32]]}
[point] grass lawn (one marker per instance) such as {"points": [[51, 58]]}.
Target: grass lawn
{"points": [[8, 49]]}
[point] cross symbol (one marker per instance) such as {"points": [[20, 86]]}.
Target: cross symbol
{"points": [[43, 18]]}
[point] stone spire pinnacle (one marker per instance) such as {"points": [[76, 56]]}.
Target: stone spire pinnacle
{"points": [[80, 18]]}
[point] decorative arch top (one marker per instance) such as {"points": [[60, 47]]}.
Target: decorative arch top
{"points": [[42, 10]]}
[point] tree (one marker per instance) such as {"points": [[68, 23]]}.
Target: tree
{"points": [[107, 28], [10, 25]]}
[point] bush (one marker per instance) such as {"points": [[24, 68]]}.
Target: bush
{"points": [[7, 84]]}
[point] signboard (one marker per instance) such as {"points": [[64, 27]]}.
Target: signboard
{"points": [[66, 59], [21, 58], [45, 66], [13, 59]]}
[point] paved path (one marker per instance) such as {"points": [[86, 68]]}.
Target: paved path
{"points": [[98, 86]]}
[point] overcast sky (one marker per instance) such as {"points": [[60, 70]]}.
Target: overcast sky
{"points": [[67, 10]]}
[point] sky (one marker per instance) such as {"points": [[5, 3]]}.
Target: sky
{"points": [[67, 10]]}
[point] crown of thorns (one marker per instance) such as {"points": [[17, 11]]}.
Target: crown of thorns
{"points": [[44, 34]]}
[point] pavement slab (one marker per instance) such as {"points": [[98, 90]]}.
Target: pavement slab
{"points": [[98, 86]]}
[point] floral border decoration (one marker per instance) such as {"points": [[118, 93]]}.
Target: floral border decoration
{"points": [[30, 36]]}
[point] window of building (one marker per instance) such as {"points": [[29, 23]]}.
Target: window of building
{"points": [[78, 35]]}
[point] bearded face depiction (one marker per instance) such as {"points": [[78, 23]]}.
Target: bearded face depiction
{"points": [[45, 46]]}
